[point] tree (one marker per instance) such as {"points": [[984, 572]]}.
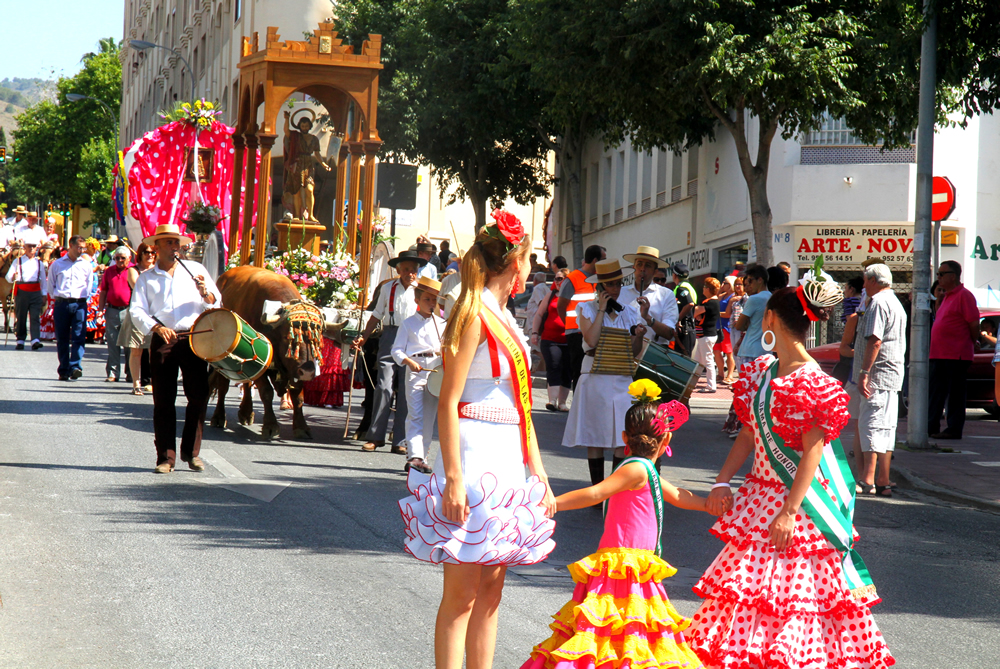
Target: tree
{"points": [[561, 49], [690, 66], [442, 101], [52, 137]]}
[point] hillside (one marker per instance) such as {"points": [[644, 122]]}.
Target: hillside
{"points": [[17, 94]]}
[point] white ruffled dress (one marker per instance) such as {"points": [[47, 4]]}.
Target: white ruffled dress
{"points": [[506, 524]]}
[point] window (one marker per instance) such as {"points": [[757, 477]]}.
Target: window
{"points": [[661, 178], [675, 177], [594, 190], [647, 181], [238, 13], [633, 182], [620, 187], [606, 182], [692, 184]]}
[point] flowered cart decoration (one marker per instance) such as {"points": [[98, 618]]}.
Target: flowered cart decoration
{"points": [[326, 280]]}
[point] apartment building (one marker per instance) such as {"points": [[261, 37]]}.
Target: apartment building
{"points": [[828, 193]]}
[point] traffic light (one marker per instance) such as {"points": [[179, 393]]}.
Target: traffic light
{"points": [[3, 155]]}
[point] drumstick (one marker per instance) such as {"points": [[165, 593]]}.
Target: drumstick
{"points": [[189, 333], [350, 396], [177, 257]]}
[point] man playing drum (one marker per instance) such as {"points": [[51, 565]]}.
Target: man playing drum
{"points": [[166, 300], [655, 303]]}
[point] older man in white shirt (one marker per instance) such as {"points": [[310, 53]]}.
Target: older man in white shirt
{"points": [[166, 300], [68, 283], [31, 232], [656, 304], [28, 275]]}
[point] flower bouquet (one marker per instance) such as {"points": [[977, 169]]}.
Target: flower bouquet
{"points": [[202, 218], [199, 113], [326, 280]]}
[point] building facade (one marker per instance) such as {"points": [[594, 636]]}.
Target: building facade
{"points": [[208, 33], [828, 194]]}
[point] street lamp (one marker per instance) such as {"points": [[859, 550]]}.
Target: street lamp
{"points": [[142, 45], [76, 97]]}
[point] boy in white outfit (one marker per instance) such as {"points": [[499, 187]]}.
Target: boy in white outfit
{"points": [[418, 348]]}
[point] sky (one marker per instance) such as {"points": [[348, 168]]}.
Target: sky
{"points": [[40, 36]]}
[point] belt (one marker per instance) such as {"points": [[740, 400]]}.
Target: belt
{"points": [[115, 306], [488, 413], [428, 354], [27, 283], [71, 299]]}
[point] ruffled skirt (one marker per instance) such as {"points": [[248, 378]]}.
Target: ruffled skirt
{"points": [[619, 617], [506, 525], [780, 610]]}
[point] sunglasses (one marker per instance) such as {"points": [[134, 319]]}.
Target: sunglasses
{"points": [[149, 253], [940, 274], [616, 284], [659, 279]]}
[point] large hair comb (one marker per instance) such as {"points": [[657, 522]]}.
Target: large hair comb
{"points": [[669, 416]]}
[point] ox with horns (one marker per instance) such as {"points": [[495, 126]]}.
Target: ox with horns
{"points": [[271, 304]]}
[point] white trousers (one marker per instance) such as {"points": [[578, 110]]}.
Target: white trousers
{"points": [[421, 417], [704, 355]]}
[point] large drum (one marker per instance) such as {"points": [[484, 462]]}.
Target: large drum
{"points": [[228, 343], [677, 375]]}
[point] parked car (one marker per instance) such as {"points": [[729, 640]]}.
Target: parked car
{"points": [[981, 381]]}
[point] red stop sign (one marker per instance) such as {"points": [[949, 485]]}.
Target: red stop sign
{"points": [[942, 198]]}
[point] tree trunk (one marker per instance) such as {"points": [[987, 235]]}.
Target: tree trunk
{"points": [[760, 214], [572, 164]]}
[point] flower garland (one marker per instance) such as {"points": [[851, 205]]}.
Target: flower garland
{"points": [[326, 280]]}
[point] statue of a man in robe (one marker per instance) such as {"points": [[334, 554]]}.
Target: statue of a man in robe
{"points": [[301, 155]]}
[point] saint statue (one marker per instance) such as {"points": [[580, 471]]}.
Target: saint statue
{"points": [[301, 155]]}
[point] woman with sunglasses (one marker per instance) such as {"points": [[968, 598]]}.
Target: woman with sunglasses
{"points": [[601, 400], [129, 336]]}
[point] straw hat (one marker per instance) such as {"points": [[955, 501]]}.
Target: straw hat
{"points": [[645, 253], [609, 270], [167, 231], [20, 210], [113, 239], [429, 285]]}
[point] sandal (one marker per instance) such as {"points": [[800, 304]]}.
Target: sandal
{"points": [[372, 445], [137, 391], [418, 464], [883, 491], [864, 489]]}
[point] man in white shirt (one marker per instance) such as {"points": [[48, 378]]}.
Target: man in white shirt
{"points": [[655, 303], [28, 274], [68, 282], [395, 304], [418, 347], [31, 231], [8, 232], [167, 300]]}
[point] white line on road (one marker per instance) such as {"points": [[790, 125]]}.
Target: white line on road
{"points": [[987, 464], [237, 481]]}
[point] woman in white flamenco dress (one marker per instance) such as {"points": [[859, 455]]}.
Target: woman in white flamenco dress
{"points": [[478, 512]]}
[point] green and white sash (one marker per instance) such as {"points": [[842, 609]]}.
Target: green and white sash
{"points": [[657, 492], [834, 519]]}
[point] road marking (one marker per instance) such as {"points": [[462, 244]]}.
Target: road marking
{"points": [[979, 436], [236, 481], [987, 464]]}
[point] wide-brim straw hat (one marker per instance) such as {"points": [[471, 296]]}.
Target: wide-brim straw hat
{"points": [[609, 270], [429, 285], [20, 210], [113, 239], [408, 255], [645, 253], [165, 231]]}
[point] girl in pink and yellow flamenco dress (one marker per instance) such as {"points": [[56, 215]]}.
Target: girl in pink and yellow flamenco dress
{"points": [[620, 616], [788, 590]]}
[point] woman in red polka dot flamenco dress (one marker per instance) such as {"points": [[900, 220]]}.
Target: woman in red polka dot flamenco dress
{"points": [[788, 591]]}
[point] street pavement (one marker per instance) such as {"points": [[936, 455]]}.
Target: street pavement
{"points": [[289, 554]]}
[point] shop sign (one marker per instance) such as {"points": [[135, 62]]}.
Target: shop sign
{"points": [[699, 261], [853, 244]]}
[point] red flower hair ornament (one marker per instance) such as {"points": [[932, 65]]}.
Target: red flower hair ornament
{"points": [[507, 229]]}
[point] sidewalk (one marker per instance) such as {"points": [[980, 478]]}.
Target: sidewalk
{"points": [[967, 469]]}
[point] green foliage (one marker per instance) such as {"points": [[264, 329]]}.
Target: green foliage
{"points": [[443, 100], [13, 97], [58, 143]]}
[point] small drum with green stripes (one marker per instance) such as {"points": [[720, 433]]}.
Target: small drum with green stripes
{"points": [[228, 343]]}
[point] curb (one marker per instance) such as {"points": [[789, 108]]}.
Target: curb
{"points": [[917, 483]]}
